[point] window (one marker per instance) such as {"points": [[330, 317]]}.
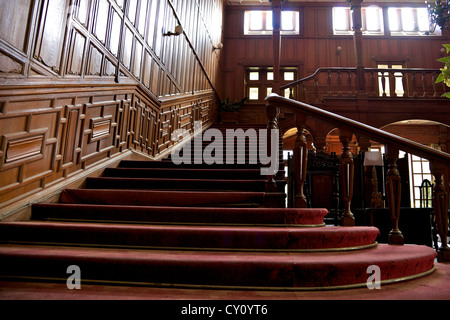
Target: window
{"points": [[384, 80], [420, 171], [410, 22], [259, 82], [371, 16], [258, 22]]}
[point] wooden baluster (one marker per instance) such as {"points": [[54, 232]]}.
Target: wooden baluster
{"points": [[272, 114], [440, 205], [383, 83], [392, 84], [349, 82], [347, 176], [374, 83], [405, 84], [329, 82], [339, 80], [433, 81], [300, 159], [393, 194], [413, 83], [424, 87]]}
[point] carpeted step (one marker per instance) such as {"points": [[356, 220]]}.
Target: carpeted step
{"points": [[167, 163], [186, 173], [179, 184], [173, 198], [240, 270], [187, 237], [179, 215]]}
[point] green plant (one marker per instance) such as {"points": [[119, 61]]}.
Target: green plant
{"points": [[444, 76], [227, 106]]}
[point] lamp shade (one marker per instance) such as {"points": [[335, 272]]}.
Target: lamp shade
{"points": [[373, 158]]}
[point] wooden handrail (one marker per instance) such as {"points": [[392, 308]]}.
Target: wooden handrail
{"points": [[377, 135], [439, 162], [320, 70], [415, 82]]}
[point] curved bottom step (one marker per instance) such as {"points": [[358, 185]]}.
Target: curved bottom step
{"points": [[219, 270]]}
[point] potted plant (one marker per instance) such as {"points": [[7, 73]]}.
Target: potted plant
{"points": [[229, 111]]}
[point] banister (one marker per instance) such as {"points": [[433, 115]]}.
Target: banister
{"points": [[375, 134], [439, 164], [416, 82], [320, 70]]}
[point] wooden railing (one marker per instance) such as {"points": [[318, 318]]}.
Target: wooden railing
{"points": [[439, 161], [375, 83]]}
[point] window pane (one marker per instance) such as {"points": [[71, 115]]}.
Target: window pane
{"points": [[269, 75], [269, 22], [256, 20], [373, 19], [423, 19], [287, 21], [254, 93], [269, 91], [407, 19], [286, 93], [394, 23], [254, 76], [289, 76], [340, 19]]}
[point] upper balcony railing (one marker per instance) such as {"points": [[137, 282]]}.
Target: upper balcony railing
{"points": [[375, 83]]}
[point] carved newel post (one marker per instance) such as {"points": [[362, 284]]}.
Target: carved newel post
{"points": [[300, 159], [272, 114], [440, 205], [393, 194], [347, 171]]}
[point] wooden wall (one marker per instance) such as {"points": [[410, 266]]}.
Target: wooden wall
{"points": [[316, 47], [86, 81]]}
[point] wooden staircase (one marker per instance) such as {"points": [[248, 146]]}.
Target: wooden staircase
{"points": [[159, 224]]}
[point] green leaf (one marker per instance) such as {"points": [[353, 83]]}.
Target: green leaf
{"points": [[440, 78], [446, 95], [444, 60], [447, 46]]}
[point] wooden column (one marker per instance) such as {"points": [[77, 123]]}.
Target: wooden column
{"points": [[300, 158], [272, 114], [393, 194], [347, 174], [356, 6], [440, 205], [276, 39]]}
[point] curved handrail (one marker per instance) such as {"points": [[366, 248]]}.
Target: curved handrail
{"points": [[297, 82], [377, 135]]}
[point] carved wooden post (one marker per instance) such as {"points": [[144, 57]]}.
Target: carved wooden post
{"points": [[272, 114], [276, 40], [347, 176], [300, 159], [356, 6], [440, 205], [393, 194]]}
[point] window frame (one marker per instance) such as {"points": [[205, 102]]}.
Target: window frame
{"points": [[263, 83], [266, 27]]}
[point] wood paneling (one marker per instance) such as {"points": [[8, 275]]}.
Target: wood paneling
{"points": [[316, 46], [66, 107]]}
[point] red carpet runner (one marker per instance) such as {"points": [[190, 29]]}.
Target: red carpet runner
{"points": [[212, 226]]}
